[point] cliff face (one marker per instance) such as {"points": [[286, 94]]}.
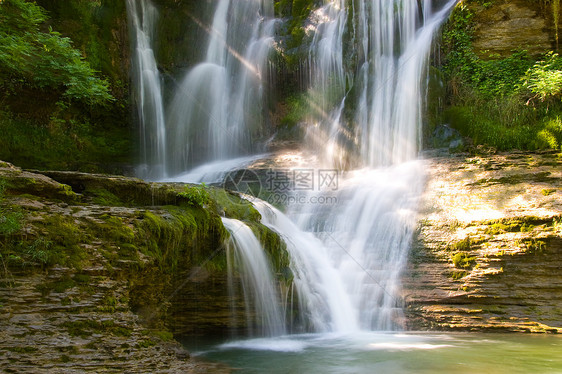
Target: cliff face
{"points": [[489, 250], [502, 27]]}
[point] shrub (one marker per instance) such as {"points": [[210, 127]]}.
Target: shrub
{"points": [[45, 60], [544, 79]]}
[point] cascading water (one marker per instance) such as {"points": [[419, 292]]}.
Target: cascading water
{"points": [[366, 235], [326, 96], [246, 255], [217, 110], [365, 106], [393, 40], [147, 89]]}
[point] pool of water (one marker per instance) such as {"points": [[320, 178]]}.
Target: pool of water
{"points": [[388, 353]]}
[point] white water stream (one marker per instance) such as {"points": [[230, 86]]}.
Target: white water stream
{"points": [[246, 257], [346, 256], [147, 89], [216, 110]]}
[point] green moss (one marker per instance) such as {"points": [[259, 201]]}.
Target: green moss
{"points": [[276, 249], [187, 235], [104, 197], [26, 349], [458, 274], [75, 143], [163, 335], [114, 229], [509, 226], [58, 286], [231, 205], [463, 260], [548, 191], [146, 343], [82, 278], [196, 196], [66, 239], [462, 245], [542, 177], [534, 246], [88, 327]]}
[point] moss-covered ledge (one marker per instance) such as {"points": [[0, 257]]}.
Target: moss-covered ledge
{"points": [[102, 264]]}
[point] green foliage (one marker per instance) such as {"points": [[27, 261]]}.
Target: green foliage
{"points": [[62, 143], [45, 60], [490, 78], [485, 124], [489, 99], [550, 136], [295, 12], [299, 108], [10, 219], [544, 79], [195, 195]]}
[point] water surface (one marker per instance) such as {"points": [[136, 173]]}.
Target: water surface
{"points": [[389, 353]]}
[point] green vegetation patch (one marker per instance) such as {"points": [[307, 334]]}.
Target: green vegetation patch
{"points": [[462, 245], [534, 246], [88, 327], [463, 260], [29, 56], [57, 286], [458, 274], [508, 103]]}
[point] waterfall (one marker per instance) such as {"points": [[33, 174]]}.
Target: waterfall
{"points": [[366, 235], [392, 81], [147, 89], [367, 71], [246, 256], [323, 301], [392, 41], [326, 96], [217, 110]]}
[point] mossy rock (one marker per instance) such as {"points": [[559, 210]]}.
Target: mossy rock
{"points": [[18, 182]]}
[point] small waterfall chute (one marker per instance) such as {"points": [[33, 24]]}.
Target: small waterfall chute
{"points": [[247, 258]]}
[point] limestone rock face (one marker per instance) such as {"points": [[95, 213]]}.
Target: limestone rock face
{"points": [[505, 26], [489, 251]]}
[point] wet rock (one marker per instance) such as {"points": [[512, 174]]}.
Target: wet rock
{"points": [[445, 136]]}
